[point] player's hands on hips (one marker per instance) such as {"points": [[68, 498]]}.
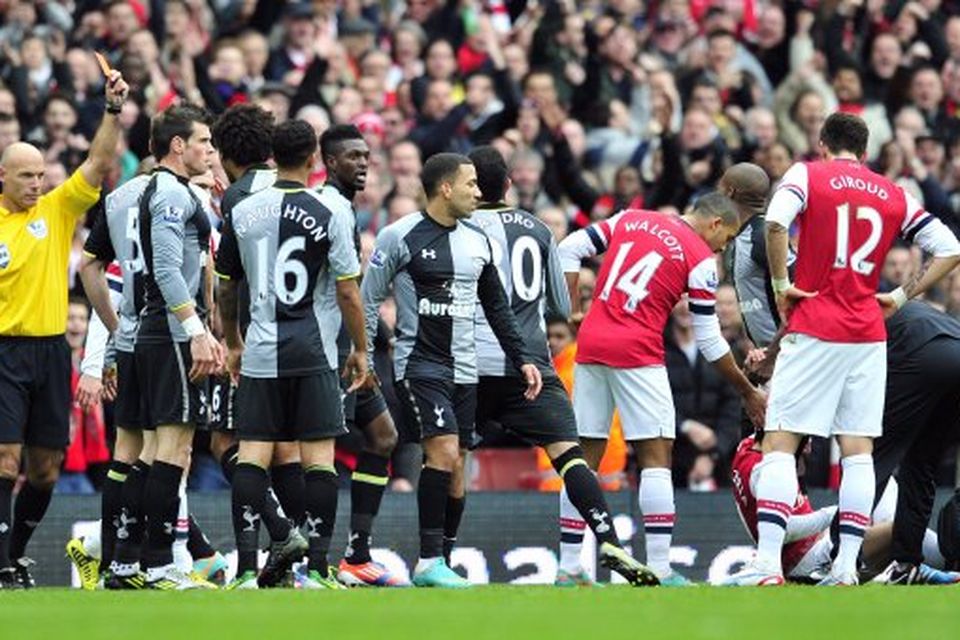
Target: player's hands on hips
{"points": [[207, 356], [790, 297], [531, 375], [755, 404], [109, 383], [888, 304], [88, 391], [355, 370]]}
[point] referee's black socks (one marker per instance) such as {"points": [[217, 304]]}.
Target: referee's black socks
{"points": [[585, 494], [432, 502], [32, 503], [6, 498], [320, 514], [250, 484], [367, 483]]}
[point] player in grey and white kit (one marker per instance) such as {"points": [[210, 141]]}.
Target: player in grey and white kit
{"points": [[174, 350], [526, 258], [300, 263], [346, 156]]}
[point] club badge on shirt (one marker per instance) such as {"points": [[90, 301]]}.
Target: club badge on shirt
{"points": [[38, 229]]}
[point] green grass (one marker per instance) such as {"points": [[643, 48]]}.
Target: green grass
{"points": [[620, 613]]}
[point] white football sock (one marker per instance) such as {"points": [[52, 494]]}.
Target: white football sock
{"points": [[857, 488], [659, 514], [931, 550], [572, 527], [776, 495]]}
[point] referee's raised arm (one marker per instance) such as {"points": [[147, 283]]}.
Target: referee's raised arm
{"points": [[103, 149]]}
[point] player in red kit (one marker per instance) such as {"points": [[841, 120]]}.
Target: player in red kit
{"points": [[652, 261], [830, 376]]}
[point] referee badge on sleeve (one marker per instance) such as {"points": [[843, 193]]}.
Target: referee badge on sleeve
{"points": [[4, 256]]}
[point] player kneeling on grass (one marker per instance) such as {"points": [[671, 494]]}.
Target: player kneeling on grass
{"points": [[807, 544], [299, 260]]}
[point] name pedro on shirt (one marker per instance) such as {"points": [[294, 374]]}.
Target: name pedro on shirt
{"points": [[299, 215]]}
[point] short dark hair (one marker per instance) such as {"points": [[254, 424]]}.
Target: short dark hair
{"points": [[716, 205], [243, 134], [293, 142], [175, 122], [491, 172], [721, 33], [439, 168], [58, 96], [335, 135], [845, 132]]}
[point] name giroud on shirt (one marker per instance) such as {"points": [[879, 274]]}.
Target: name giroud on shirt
{"points": [[839, 183], [289, 212]]}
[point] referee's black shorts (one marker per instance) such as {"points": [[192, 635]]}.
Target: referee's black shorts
{"points": [[544, 420], [432, 407], [35, 395]]}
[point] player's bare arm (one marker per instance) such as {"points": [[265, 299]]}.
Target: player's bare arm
{"points": [[778, 250], [228, 306], [351, 307], [93, 276], [103, 149]]}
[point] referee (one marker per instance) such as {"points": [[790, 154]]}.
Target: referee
{"points": [[36, 232]]}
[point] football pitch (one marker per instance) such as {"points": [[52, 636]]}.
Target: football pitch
{"points": [[494, 612]]}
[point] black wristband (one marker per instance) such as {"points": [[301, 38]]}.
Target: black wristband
{"points": [[114, 109]]}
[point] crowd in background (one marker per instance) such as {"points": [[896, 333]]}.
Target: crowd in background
{"points": [[596, 105]]}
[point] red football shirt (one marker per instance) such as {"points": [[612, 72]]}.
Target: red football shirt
{"points": [[652, 260], [848, 219], [744, 461]]}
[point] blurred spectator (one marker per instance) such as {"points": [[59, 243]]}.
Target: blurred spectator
{"points": [[708, 410], [87, 454]]}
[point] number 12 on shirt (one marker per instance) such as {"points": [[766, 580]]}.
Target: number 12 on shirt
{"points": [[635, 280]]}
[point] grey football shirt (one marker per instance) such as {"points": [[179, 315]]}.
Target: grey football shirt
{"points": [[291, 250], [526, 258]]}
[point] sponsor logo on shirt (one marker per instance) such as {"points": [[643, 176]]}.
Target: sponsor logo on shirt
{"points": [[446, 309], [172, 215], [38, 229], [4, 256]]}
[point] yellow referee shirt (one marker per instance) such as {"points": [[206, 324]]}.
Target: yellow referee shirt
{"points": [[34, 258]]}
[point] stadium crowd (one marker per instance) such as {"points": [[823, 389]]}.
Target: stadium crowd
{"points": [[597, 106]]}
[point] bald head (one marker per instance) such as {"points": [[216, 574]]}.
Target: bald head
{"points": [[20, 153], [748, 186], [21, 169]]}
